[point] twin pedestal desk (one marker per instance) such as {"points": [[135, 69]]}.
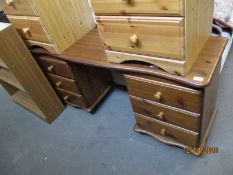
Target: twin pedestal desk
{"points": [[176, 110]]}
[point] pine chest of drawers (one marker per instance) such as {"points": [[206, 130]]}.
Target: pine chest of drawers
{"points": [[172, 112], [53, 25], [169, 33]]}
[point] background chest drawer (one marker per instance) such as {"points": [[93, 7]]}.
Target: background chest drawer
{"points": [[53, 25], [18, 7], [71, 98], [64, 83], [168, 131], [164, 7], [165, 93], [153, 36], [30, 28], [56, 67], [166, 114]]}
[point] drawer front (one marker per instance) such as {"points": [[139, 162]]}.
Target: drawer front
{"points": [[18, 7], [167, 131], [127, 7], [30, 28], [151, 36], [64, 83], [55, 67], [166, 114], [165, 93], [71, 98]]}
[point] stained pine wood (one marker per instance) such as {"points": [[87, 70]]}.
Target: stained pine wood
{"points": [[19, 8], [209, 104], [138, 7], [171, 95], [148, 109], [72, 98], [90, 51], [170, 65], [64, 83], [54, 66], [25, 69], [94, 83], [36, 32], [170, 115], [87, 85], [156, 36], [49, 47], [172, 132], [198, 19], [67, 21], [163, 38]]}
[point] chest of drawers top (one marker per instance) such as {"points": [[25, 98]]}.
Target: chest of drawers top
{"points": [[169, 34], [53, 25]]}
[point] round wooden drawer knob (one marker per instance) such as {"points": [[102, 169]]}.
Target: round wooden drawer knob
{"points": [[163, 132], [133, 40], [58, 84], [66, 98], [50, 68], [9, 2], [158, 95], [26, 30], [160, 115]]}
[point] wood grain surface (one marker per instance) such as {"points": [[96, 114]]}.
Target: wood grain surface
{"points": [[90, 51], [168, 131], [55, 66], [64, 83], [66, 20], [156, 36], [36, 32], [25, 69], [171, 95], [138, 7], [19, 8], [170, 115]]}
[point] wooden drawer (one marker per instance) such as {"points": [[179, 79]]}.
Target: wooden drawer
{"points": [[72, 98], [151, 36], [64, 83], [18, 7], [165, 130], [165, 93], [30, 28], [55, 66], [166, 114], [127, 7]]}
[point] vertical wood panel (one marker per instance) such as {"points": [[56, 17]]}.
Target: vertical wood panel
{"points": [[66, 20], [199, 18], [21, 63]]}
